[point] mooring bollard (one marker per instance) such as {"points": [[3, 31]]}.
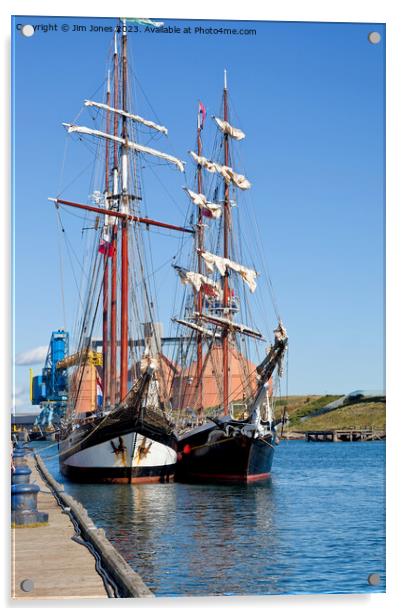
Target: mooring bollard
{"points": [[21, 474], [19, 457], [24, 506]]}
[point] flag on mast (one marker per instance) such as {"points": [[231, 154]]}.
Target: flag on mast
{"points": [[202, 113], [106, 248], [143, 21], [99, 391]]}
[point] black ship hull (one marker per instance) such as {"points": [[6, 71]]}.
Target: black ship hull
{"points": [[209, 455], [123, 447]]}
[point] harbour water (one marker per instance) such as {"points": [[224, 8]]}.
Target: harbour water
{"points": [[317, 527]]}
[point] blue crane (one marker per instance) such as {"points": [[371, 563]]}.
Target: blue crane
{"points": [[49, 389]]}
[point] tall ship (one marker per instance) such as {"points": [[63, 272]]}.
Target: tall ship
{"points": [[223, 395], [118, 425]]}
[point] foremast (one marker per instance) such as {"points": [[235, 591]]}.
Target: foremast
{"points": [[113, 299], [124, 230], [226, 228], [105, 315], [200, 247]]}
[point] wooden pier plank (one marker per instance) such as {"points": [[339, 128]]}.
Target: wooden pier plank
{"points": [[59, 567]]}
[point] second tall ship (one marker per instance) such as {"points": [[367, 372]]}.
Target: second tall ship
{"points": [[225, 448]]}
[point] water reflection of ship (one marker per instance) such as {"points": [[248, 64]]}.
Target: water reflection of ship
{"points": [[139, 523], [243, 522]]}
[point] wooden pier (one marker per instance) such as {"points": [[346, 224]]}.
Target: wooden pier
{"points": [[54, 565], [351, 435], [58, 567]]}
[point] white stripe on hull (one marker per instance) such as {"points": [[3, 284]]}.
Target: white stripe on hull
{"points": [[129, 451]]}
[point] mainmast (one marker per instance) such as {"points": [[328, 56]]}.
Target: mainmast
{"points": [[105, 324], [200, 246], [226, 225], [113, 300], [124, 230]]}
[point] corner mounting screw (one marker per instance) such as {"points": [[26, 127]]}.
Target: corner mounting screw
{"points": [[27, 585], [374, 37], [373, 579]]}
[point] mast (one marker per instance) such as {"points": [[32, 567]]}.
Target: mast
{"points": [[113, 301], [124, 232], [226, 223], [199, 297], [105, 316]]}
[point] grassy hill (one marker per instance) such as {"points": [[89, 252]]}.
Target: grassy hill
{"points": [[358, 416], [300, 406]]}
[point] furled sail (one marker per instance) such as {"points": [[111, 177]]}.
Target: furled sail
{"points": [[225, 127], [198, 281], [249, 275], [227, 172], [209, 209], [72, 128], [243, 329], [197, 328], [131, 116]]}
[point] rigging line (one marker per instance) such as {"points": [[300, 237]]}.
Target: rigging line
{"points": [[138, 82], [177, 283], [197, 391], [252, 215], [253, 375], [63, 164], [162, 234], [83, 108], [88, 142], [84, 326], [245, 366], [63, 190], [218, 378], [69, 212], [141, 283], [232, 397], [166, 190], [83, 362], [183, 363], [246, 304], [66, 241], [61, 274], [91, 280], [91, 289], [258, 298], [267, 274], [90, 247]]}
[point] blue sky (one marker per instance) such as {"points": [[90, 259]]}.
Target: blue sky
{"points": [[310, 98]]}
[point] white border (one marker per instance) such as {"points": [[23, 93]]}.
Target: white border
{"points": [[383, 11]]}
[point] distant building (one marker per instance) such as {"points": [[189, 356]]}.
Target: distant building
{"points": [[242, 380]]}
